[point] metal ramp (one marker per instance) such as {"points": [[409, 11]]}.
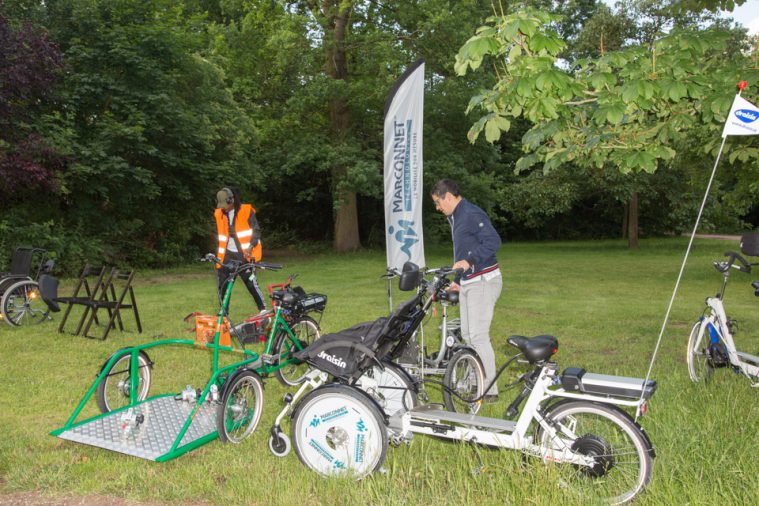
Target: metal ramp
{"points": [[153, 439]]}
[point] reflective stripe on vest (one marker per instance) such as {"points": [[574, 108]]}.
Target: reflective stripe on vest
{"points": [[242, 230]]}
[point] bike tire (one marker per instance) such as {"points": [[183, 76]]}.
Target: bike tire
{"points": [[307, 331], [606, 433], [395, 389], [700, 368], [241, 406], [114, 390], [464, 376]]}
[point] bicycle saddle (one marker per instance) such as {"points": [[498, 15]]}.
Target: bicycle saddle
{"points": [[535, 349], [285, 297], [452, 296]]}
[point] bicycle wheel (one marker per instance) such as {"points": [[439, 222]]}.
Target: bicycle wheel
{"points": [[700, 367], [464, 380], [622, 461], [22, 304], [240, 408], [114, 391], [306, 331], [391, 387], [338, 430]]}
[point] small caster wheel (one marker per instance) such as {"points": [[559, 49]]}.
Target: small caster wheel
{"points": [[280, 444]]}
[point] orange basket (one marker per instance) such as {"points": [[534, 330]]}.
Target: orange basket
{"points": [[205, 329]]}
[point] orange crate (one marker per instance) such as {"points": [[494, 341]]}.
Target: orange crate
{"points": [[205, 329]]}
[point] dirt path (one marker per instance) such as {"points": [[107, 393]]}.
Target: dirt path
{"points": [[39, 499], [717, 236]]}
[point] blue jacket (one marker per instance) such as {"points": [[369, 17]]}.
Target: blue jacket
{"points": [[474, 239]]}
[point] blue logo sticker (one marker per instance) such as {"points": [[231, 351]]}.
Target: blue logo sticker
{"points": [[315, 421], [405, 235], [747, 115], [360, 425]]}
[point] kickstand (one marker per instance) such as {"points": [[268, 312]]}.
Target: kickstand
{"points": [[482, 468]]}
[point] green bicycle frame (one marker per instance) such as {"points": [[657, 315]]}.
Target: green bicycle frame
{"points": [[251, 360]]}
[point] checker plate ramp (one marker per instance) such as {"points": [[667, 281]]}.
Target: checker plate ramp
{"points": [[164, 418]]}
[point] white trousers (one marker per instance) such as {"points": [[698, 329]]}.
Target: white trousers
{"points": [[478, 300]]}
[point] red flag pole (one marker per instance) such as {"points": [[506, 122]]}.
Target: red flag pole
{"points": [[741, 86]]}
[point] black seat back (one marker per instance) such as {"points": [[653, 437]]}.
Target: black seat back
{"points": [[750, 244], [49, 291], [21, 262], [337, 354]]}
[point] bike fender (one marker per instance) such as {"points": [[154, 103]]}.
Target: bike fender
{"points": [[120, 351], [649, 444], [233, 376]]}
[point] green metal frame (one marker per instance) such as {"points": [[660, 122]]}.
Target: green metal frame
{"points": [[259, 366]]}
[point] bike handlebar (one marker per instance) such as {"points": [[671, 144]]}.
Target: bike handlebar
{"points": [[732, 257], [237, 265]]}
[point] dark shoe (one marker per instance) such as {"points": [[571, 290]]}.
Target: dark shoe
{"points": [[491, 399]]}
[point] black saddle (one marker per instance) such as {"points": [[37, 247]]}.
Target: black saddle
{"points": [[288, 298], [535, 349], [448, 296]]}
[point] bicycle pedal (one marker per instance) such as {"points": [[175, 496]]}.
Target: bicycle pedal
{"points": [[270, 359]]}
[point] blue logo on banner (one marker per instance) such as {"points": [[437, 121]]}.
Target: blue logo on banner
{"points": [[405, 235], [747, 115]]}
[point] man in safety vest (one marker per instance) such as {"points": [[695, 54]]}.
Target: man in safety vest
{"points": [[239, 239]]}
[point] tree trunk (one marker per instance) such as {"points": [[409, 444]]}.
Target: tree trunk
{"points": [[632, 222], [336, 14], [625, 215]]}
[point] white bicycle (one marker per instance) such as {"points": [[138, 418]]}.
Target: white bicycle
{"points": [[575, 420], [711, 344]]}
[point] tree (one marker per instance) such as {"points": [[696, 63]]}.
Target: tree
{"points": [[30, 64], [627, 108]]}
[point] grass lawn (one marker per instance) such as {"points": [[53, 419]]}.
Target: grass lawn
{"points": [[604, 303]]}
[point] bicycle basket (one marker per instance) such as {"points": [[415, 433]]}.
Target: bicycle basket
{"points": [[750, 244], [312, 302]]}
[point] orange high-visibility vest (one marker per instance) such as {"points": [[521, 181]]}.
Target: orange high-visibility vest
{"points": [[242, 229]]}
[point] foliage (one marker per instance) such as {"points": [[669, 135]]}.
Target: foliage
{"points": [[625, 108], [29, 63]]}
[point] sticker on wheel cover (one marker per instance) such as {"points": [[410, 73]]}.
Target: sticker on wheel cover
{"points": [[321, 450], [331, 415]]}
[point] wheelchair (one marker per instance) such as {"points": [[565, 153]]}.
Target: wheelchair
{"points": [[21, 301]]}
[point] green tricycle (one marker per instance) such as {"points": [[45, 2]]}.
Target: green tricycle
{"points": [[165, 426]]}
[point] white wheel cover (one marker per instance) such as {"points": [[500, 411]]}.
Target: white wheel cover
{"points": [[337, 434]]}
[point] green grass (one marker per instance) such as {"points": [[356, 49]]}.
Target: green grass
{"points": [[604, 303]]}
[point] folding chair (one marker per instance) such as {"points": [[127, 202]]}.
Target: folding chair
{"points": [[91, 294], [113, 303]]}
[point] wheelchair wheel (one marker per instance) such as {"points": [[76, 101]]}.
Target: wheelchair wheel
{"points": [[241, 407], [22, 304], [391, 387], [338, 430], [114, 391], [464, 380]]}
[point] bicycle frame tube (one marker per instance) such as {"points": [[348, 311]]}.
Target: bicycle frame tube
{"points": [[718, 319]]}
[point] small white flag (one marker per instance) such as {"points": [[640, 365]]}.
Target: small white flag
{"points": [[743, 118]]}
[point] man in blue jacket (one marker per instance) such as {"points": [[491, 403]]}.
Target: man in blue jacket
{"points": [[475, 243]]}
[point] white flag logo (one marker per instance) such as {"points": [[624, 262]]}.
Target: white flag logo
{"points": [[743, 118]]}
